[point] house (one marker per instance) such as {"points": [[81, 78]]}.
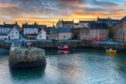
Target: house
{"points": [[53, 32], [85, 24], [31, 31], [95, 32], [9, 31], [60, 33], [119, 30], [64, 24], [41, 35], [110, 22], [75, 33]]}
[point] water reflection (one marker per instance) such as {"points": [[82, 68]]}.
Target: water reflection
{"points": [[112, 54], [63, 51], [78, 67], [121, 64], [27, 74]]}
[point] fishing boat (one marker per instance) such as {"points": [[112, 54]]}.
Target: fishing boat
{"points": [[111, 51], [65, 48]]}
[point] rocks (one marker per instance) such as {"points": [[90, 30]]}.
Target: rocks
{"points": [[26, 57]]}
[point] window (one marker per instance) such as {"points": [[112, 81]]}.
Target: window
{"points": [[86, 33]]}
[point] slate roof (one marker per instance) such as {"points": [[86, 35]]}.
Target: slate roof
{"points": [[98, 26], [104, 20], [60, 30], [115, 21], [86, 21], [7, 25], [64, 30], [31, 26], [124, 18], [107, 20], [67, 22], [11, 26]]}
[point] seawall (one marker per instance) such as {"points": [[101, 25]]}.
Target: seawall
{"points": [[49, 45]]}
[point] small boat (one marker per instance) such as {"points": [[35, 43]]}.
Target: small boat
{"points": [[65, 47], [111, 51]]}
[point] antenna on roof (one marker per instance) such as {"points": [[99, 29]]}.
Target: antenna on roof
{"points": [[26, 23], [35, 23]]}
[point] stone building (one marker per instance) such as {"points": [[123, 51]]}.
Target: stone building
{"points": [[60, 33], [95, 32], [64, 24], [119, 30]]}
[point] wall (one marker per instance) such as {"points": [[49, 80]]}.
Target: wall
{"points": [[65, 36]]}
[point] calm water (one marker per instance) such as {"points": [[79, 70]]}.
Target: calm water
{"points": [[80, 67]]}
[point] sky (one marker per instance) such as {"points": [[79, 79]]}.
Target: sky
{"points": [[50, 11]]}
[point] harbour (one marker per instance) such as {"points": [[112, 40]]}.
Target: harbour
{"points": [[80, 66], [47, 44]]}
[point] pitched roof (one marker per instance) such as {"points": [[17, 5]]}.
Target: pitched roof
{"points": [[124, 18], [86, 21], [67, 22], [98, 26], [31, 26], [104, 20], [64, 30], [60, 30], [7, 25], [11, 26]]}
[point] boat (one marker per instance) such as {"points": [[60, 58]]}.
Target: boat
{"points": [[65, 48], [111, 51], [26, 57]]}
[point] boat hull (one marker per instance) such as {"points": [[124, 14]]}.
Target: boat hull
{"points": [[111, 51]]}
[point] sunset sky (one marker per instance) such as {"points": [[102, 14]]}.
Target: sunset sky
{"points": [[50, 11]]}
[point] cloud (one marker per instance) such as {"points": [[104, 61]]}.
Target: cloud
{"points": [[52, 10]]}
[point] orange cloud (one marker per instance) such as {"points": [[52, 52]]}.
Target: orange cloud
{"points": [[7, 4]]}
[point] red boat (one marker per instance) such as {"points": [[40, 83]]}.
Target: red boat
{"points": [[65, 48]]}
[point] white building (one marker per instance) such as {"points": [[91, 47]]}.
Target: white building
{"points": [[9, 31], [14, 33], [41, 35], [31, 30]]}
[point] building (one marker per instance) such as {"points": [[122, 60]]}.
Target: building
{"points": [[64, 24], [85, 24], [31, 31], [60, 33], [119, 30], [110, 22], [41, 35], [9, 31], [95, 32]]}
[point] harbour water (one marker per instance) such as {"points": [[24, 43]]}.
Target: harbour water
{"points": [[75, 67]]}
